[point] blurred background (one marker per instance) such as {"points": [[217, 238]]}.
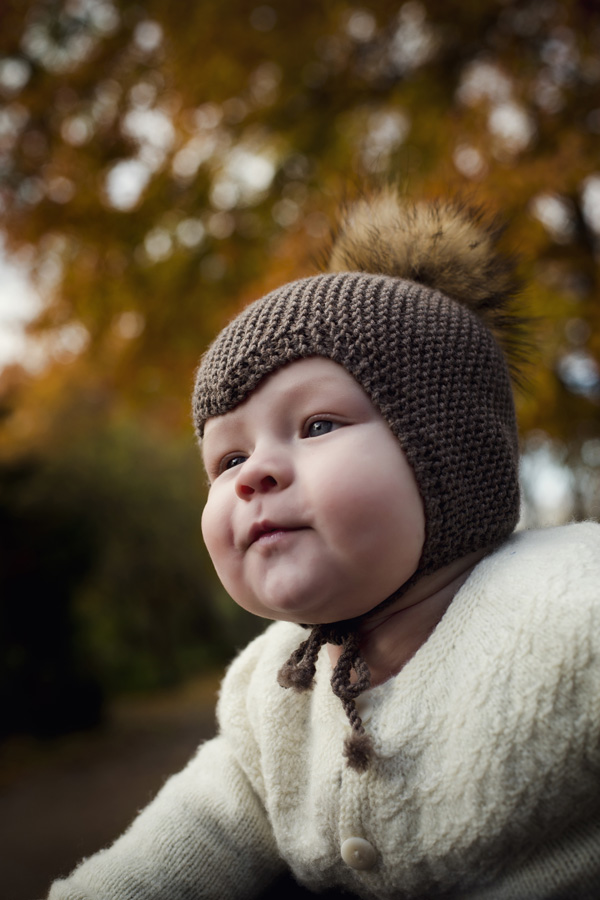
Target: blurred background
{"points": [[161, 164]]}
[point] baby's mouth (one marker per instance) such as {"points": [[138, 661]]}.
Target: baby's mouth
{"points": [[266, 530]]}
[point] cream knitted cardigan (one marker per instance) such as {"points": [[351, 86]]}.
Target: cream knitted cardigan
{"points": [[487, 777]]}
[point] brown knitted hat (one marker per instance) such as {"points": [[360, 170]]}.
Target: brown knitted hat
{"points": [[410, 307]]}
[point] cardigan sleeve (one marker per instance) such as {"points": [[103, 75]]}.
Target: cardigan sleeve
{"points": [[205, 836]]}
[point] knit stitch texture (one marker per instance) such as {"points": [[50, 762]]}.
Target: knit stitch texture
{"points": [[486, 781]]}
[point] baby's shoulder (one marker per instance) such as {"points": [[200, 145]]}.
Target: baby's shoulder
{"points": [[272, 647], [549, 575], [570, 553], [253, 672], [583, 535]]}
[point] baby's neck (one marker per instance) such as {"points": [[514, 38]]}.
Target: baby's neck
{"points": [[389, 638]]}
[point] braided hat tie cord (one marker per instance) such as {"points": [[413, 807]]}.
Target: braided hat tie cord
{"points": [[298, 673]]}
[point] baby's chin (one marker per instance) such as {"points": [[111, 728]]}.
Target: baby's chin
{"points": [[289, 610]]}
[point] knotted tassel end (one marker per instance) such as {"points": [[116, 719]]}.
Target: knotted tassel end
{"points": [[298, 672], [298, 677], [358, 750]]}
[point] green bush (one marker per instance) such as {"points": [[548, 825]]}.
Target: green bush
{"points": [[104, 580]]}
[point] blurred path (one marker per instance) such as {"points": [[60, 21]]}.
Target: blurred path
{"points": [[72, 797]]}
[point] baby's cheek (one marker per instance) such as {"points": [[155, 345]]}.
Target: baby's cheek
{"points": [[213, 525], [218, 538], [206, 526]]}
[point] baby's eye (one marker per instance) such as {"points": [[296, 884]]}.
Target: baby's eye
{"points": [[232, 461], [319, 427]]}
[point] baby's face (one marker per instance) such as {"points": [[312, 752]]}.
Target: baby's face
{"points": [[313, 513]]}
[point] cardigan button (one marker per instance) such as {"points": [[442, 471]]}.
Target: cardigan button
{"points": [[358, 853]]}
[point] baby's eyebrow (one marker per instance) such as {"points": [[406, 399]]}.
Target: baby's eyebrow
{"points": [[219, 438], [209, 470], [217, 430], [204, 453]]}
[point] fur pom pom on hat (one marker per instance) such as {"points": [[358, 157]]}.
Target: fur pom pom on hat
{"points": [[416, 305], [447, 246], [444, 245]]}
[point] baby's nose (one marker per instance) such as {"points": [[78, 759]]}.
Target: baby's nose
{"points": [[263, 472], [266, 484]]}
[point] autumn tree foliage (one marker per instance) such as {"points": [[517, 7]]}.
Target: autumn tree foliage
{"points": [[163, 163]]}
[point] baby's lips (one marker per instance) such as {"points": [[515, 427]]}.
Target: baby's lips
{"points": [[266, 526]]}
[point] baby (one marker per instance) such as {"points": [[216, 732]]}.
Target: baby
{"points": [[359, 436]]}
